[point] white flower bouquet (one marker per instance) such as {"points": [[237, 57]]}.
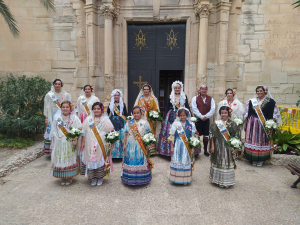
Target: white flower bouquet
{"points": [[235, 145], [194, 142], [155, 116], [73, 135], [129, 118], [194, 119], [239, 122], [149, 141], [111, 138], [270, 124]]}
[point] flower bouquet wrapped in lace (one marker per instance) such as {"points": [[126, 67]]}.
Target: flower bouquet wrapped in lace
{"points": [[111, 138], [149, 141], [129, 118], [239, 122], [235, 145], [270, 125], [154, 116], [73, 135], [194, 142], [194, 119]]}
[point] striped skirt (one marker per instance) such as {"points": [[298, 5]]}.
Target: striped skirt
{"points": [[180, 174], [65, 173], [98, 173], [222, 176], [47, 144], [257, 145], [136, 177]]}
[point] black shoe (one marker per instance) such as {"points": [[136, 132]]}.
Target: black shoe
{"points": [[206, 154]]}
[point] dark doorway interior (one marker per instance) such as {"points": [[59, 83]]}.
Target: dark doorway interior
{"points": [[166, 78]]}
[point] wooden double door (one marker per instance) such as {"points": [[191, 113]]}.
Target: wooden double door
{"points": [[156, 56]]}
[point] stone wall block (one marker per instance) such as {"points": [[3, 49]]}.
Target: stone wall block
{"points": [[80, 82], [63, 64], [243, 49], [253, 67], [67, 77], [61, 35], [286, 8], [253, 43], [268, 9], [254, 19], [271, 65], [66, 55], [279, 77], [250, 77], [265, 77], [290, 66], [48, 55], [256, 56], [249, 9], [50, 76], [291, 99], [281, 88], [294, 79]]}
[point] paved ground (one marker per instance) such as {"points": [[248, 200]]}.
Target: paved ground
{"points": [[260, 196]]}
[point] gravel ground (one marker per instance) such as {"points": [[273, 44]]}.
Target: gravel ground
{"points": [[260, 196]]}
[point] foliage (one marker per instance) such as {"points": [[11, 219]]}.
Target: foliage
{"points": [[20, 143], [297, 4], [287, 142], [10, 19], [22, 105], [298, 92]]}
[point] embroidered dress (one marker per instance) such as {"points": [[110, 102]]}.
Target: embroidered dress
{"points": [[64, 160], [50, 108], [222, 166], [163, 147], [257, 145], [180, 161], [92, 160], [236, 106], [119, 124], [136, 169], [82, 114]]}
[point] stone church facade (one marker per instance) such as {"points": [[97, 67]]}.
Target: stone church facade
{"points": [[221, 43]]}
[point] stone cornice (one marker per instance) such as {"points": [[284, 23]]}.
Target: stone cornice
{"points": [[108, 11]]}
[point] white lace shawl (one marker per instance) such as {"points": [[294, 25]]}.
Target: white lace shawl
{"points": [[112, 102], [182, 94]]}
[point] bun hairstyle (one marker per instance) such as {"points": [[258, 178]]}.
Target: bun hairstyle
{"points": [[262, 87], [147, 85], [137, 107], [61, 82], [92, 89], [230, 89], [180, 111], [98, 103], [224, 108]]}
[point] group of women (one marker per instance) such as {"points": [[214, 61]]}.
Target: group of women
{"points": [[93, 155]]}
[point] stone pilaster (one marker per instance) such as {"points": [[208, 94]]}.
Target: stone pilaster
{"points": [[109, 12], [202, 9]]}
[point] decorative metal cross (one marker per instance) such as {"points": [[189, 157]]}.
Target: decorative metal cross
{"points": [[140, 83]]}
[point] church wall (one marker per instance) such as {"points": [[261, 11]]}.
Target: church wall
{"points": [[51, 45], [264, 49], [262, 44]]}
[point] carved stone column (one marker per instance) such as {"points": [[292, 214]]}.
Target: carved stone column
{"points": [[91, 36], [203, 9], [109, 12]]}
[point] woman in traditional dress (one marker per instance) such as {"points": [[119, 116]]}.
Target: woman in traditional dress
{"points": [[147, 101], [117, 114], [85, 102], [64, 162], [136, 167], [257, 143], [177, 100], [233, 102], [52, 103], [222, 162], [182, 158], [95, 164]]}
